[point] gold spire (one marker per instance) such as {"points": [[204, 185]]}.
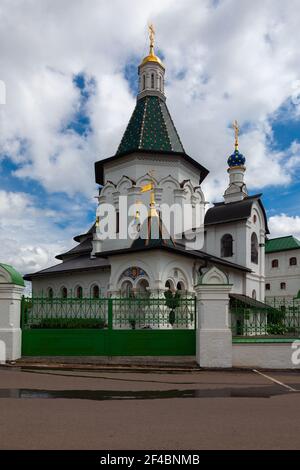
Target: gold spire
{"points": [[236, 134], [151, 38], [151, 57]]}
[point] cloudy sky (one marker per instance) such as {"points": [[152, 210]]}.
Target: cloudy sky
{"points": [[69, 67]]}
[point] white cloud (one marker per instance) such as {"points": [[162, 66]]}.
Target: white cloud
{"points": [[282, 225], [238, 60], [30, 237]]}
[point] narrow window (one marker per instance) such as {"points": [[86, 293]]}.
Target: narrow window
{"points": [[96, 292], [275, 263], [152, 80], [268, 286], [282, 285], [144, 82], [254, 294], [293, 261], [79, 292], [254, 248], [117, 222], [50, 293], [64, 292], [226, 246]]}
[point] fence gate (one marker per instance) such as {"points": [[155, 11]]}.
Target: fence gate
{"points": [[108, 327]]}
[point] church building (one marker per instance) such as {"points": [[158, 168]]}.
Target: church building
{"points": [[152, 168]]}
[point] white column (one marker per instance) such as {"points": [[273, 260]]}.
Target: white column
{"points": [[10, 314], [213, 335]]}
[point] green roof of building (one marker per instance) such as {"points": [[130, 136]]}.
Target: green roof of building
{"points": [[150, 128], [16, 278], [282, 244]]}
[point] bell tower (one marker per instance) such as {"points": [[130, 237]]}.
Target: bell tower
{"points": [[237, 190], [151, 72]]}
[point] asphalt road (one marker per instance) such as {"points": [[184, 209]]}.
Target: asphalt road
{"points": [[79, 409]]}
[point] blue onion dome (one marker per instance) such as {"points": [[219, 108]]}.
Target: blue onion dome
{"points": [[236, 159]]}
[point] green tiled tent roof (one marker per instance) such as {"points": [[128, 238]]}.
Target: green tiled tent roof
{"points": [[282, 244], [150, 128]]}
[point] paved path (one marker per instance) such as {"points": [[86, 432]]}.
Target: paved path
{"points": [[65, 409]]}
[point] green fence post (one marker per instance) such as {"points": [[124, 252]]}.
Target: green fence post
{"points": [[110, 314], [22, 311]]}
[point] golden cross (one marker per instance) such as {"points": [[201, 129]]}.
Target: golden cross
{"points": [[236, 133], [151, 36]]}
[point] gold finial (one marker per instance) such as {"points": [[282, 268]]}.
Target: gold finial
{"points": [[150, 187], [236, 134], [151, 37]]}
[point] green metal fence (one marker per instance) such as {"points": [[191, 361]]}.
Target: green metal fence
{"points": [[108, 326], [279, 319]]}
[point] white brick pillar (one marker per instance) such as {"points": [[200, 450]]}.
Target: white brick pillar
{"points": [[213, 335], [11, 291]]}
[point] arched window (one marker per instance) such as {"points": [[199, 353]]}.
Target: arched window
{"points": [[142, 288], [152, 80], [254, 248], [127, 289], [79, 292], [50, 293], [254, 294], [226, 246], [268, 286], [169, 285], [282, 285], [275, 263], [95, 292], [293, 261], [180, 286], [64, 292], [254, 219], [144, 82], [160, 83]]}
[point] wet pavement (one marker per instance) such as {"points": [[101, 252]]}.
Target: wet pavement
{"points": [[99, 409]]}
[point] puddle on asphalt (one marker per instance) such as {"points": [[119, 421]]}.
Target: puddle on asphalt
{"points": [[101, 395]]}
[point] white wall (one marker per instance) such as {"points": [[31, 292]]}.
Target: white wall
{"points": [[86, 279], [264, 355], [159, 266], [241, 232], [284, 273], [137, 165]]}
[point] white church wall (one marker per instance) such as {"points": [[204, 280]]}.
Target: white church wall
{"points": [[85, 279], [158, 265], [137, 165], [215, 234], [265, 355]]}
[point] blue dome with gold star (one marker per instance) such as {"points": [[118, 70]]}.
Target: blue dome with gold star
{"points": [[236, 159]]}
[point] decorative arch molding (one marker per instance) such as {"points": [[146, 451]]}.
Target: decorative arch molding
{"points": [[199, 195], [214, 276], [124, 184], [168, 181], [117, 275], [108, 189], [146, 179], [182, 275]]}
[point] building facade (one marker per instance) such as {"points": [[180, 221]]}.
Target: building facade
{"points": [[283, 268]]}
